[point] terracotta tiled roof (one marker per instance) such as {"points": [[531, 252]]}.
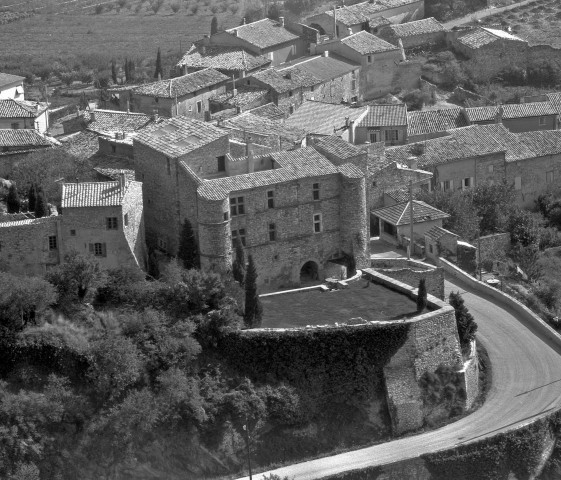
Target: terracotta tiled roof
{"points": [[365, 43], [546, 142], [433, 121], [263, 33], [7, 79], [511, 110], [13, 217], [436, 233], [10, 108], [222, 58], [322, 68], [385, 116], [418, 27], [484, 36], [29, 221], [263, 126], [270, 110], [178, 136], [322, 118], [289, 165], [365, 11], [399, 195], [482, 114], [555, 99], [338, 147], [114, 173], [400, 213], [22, 138], [350, 170], [92, 194], [179, 86], [284, 81], [116, 121], [245, 95]]}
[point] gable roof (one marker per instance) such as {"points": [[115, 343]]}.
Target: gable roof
{"points": [[322, 118], [178, 136], [555, 100], [117, 121], [338, 147], [7, 79], [10, 108], [269, 110], [365, 11], [22, 138], [251, 123], [510, 110], [400, 213], [482, 36], [284, 81], [385, 116], [417, 27], [222, 58], [322, 68], [436, 233], [179, 86], [244, 95], [92, 194], [433, 121], [263, 33], [365, 43], [289, 165]]}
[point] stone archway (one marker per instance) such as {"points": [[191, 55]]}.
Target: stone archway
{"points": [[319, 28], [309, 273]]}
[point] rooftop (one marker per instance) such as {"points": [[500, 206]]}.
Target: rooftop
{"points": [[338, 147], [482, 36], [365, 11], [28, 221], [23, 138], [385, 116], [436, 233], [7, 79], [400, 213], [418, 27], [179, 86], [433, 121], [323, 118], [263, 33], [116, 121], [10, 108], [251, 123], [289, 165], [92, 194], [244, 95], [284, 81], [270, 110], [179, 135], [365, 43], [510, 110], [322, 68], [555, 100], [222, 58]]}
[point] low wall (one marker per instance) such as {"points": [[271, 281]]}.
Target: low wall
{"points": [[470, 376]]}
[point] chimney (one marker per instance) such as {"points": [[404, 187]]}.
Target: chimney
{"points": [[334, 22], [128, 106], [235, 32], [234, 92], [250, 158], [281, 20], [243, 21], [351, 131], [350, 31], [412, 163], [499, 115], [154, 116], [401, 49], [326, 53], [92, 116], [122, 179], [346, 122]]}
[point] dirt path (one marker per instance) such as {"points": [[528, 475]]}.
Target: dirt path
{"points": [[485, 13]]}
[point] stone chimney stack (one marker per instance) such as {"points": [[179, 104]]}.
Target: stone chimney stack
{"points": [[350, 31], [281, 20], [122, 179], [155, 115], [351, 131], [326, 53]]}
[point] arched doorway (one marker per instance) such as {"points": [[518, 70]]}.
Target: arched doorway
{"points": [[319, 28], [309, 273]]}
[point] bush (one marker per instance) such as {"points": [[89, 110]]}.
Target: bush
{"points": [[99, 9]]}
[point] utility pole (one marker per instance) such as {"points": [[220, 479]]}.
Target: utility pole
{"points": [[410, 249], [246, 428]]}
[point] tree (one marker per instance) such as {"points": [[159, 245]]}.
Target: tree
{"points": [[31, 198], [253, 309], [214, 25], [126, 69], [188, 250], [421, 296], [12, 201], [494, 205], [114, 71], [464, 320], [158, 73], [238, 267], [41, 207]]}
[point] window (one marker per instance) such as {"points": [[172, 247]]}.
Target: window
{"points": [[517, 183], [369, 58], [72, 233], [272, 232], [225, 216], [240, 233], [111, 223], [270, 199], [317, 222], [190, 108], [447, 185], [98, 249], [549, 177], [543, 121], [374, 137], [15, 126], [199, 106], [237, 206], [467, 183], [126, 220], [391, 135], [221, 163], [315, 191], [430, 248], [353, 84], [52, 242], [168, 165]]}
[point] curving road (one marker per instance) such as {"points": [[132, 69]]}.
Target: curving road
{"points": [[526, 383]]}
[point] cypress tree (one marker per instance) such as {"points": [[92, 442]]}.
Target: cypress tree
{"points": [[188, 250], [114, 71], [131, 70], [214, 25], [464, 320], [127, 74], [12, 200], [158, 73], [31, 198], [253, 314], [41, 205], [421, 296], [238, 266]]}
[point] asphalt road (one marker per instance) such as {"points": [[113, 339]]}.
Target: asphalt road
{"points": [[526, 383]]}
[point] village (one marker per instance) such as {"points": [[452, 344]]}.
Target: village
{"points": [[347, 176]]}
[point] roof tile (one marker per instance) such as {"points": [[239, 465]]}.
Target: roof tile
{"points": [[338, 147], [323, 118], [117, 121], [7, 79], [433, 121], [22, 138], [263, 33], [418, 27], [222, 58], [365, 11], [400, 213], [92, 194], [179, 86], [385, 116], [10, 108], [365, 43]]}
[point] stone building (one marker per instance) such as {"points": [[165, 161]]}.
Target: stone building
{"points": [[187, 95], [414, 34], [427, 124], [11, 86], [16, 143], [17, 114], [383, 123]]}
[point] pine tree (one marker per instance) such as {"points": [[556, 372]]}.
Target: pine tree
{"points": [[31, 198], [12, 200], [214, 25], [114, 71], [253, 314], [158, 73], [41, 209], [238, 266], [188, 251], [464, 320], [421, 296]]}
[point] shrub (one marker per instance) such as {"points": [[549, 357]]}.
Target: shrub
{"points": [[155, 5], [464, 320], [175, 6], [98, 9]]}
